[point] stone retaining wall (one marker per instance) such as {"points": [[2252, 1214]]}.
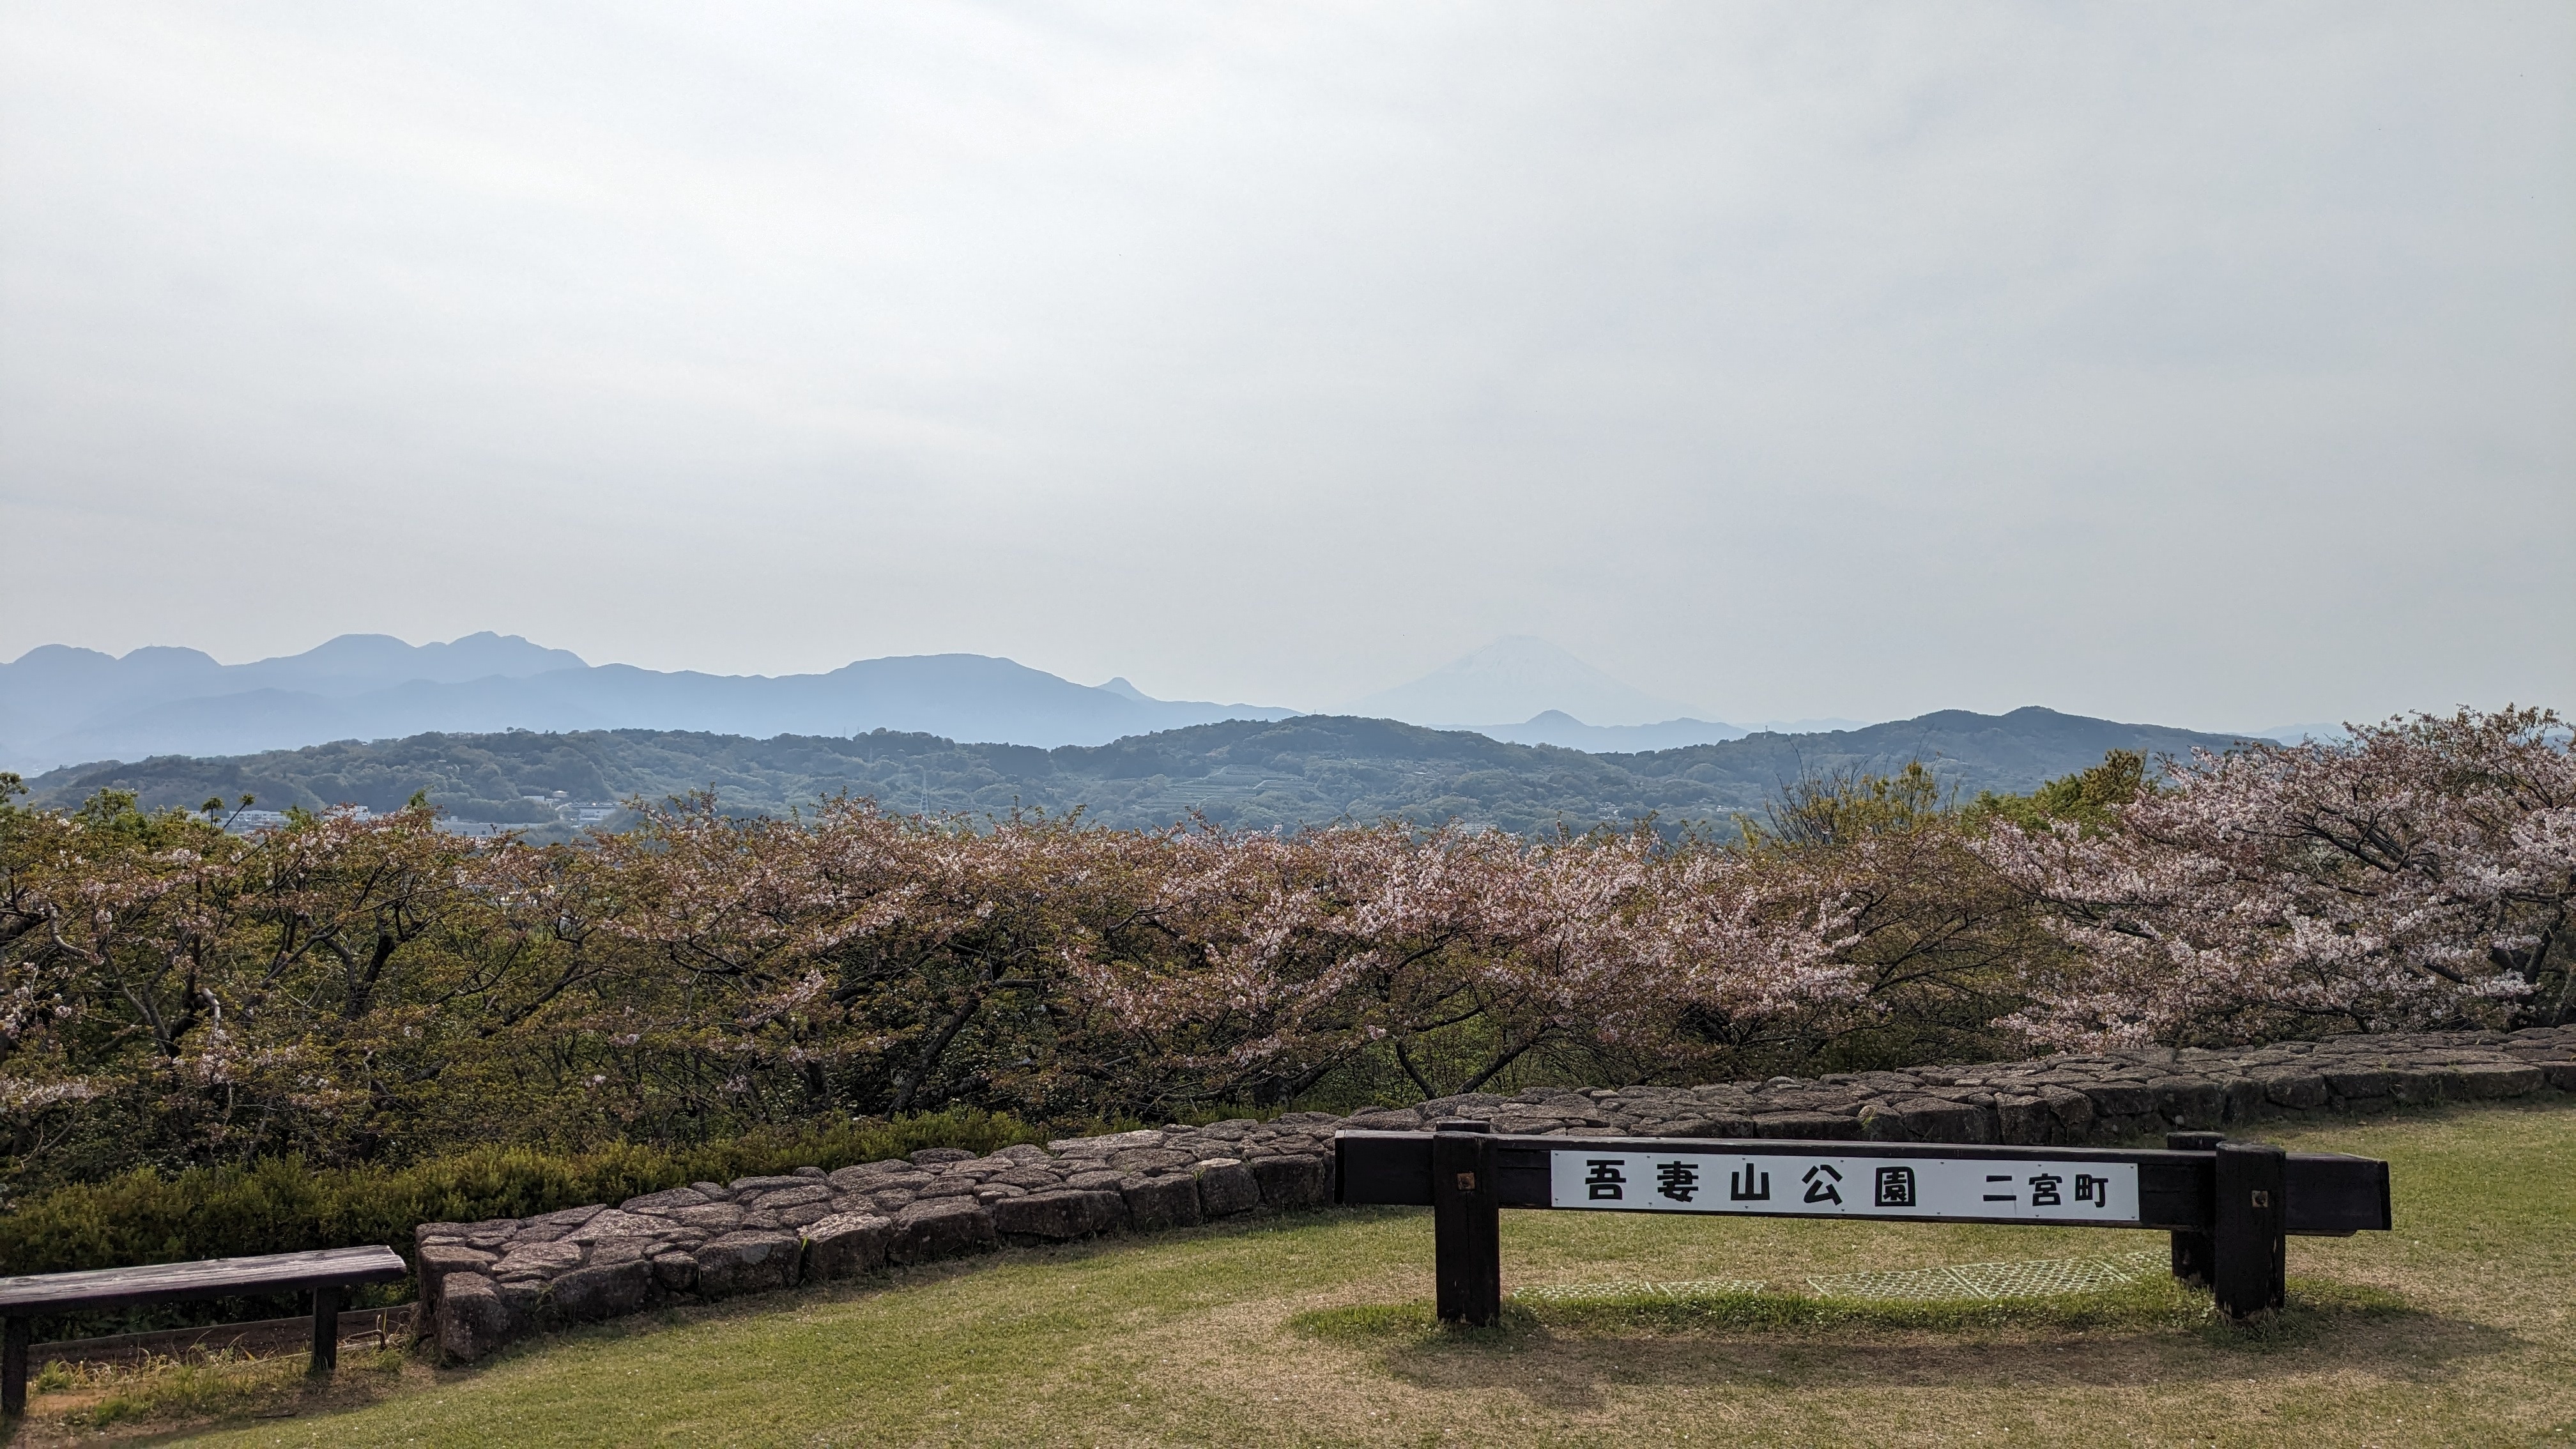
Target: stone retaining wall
{"points": [[484, 1284]]}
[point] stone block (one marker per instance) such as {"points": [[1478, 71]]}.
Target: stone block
{"points": [[2360, 1084], [2191, 1102], [1155, 1203], [1104, 1146], [2483, 1081], [745, 1188], [473, 1318], [613, 1223], [1930, 1119], [941, 1156], [2297, 1091], [1814, 1126], [1711, 1125], [748, 1263], [862, 1178], [1386, 1119], [538, 1260], [2072, 1108], [1055, 1217], [804, 1213], [1292, 1181], [669, 1199], [1029, 1178], [623, 1250], [675, 1272], [715, 1217], [847, 1245], [780, 1199], [2120, 1099], [433, 1259], [1226, 1187], [526, 1298], [2244, 1098], [940, 1227], [2025, 1121], [586, 1295]]}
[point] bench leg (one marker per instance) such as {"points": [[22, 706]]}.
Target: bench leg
{"points": [[1466, 1231], [326, 1330], [13, 1367], [2249, 1247], [2193, 1252]]}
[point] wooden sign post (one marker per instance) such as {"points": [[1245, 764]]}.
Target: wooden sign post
{"points": [[1467, 1232], [2229, 1205]]}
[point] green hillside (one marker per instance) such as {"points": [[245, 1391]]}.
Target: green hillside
{"points": [[1245, 773]]}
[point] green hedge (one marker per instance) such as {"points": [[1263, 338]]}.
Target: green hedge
{"points": [[280, 1205]]}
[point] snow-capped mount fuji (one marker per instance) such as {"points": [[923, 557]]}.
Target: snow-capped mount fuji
{"points": [[1519, 677]]}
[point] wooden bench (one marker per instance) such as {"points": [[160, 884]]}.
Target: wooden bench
{"points": [[327, 1275]]}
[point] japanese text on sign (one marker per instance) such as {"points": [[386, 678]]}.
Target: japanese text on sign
{"points": [[1854, 1185]]}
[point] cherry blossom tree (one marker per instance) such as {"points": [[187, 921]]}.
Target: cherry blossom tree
{"points": [[2417, 874], [1454, 952]]}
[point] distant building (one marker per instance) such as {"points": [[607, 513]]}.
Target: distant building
{"points": [[575, 812], [251, 822]]}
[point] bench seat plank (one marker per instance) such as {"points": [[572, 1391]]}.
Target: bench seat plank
{"points": [[212, 1278]]}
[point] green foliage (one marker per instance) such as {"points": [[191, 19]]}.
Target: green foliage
{"points": [[1852, 805], [1943, 942], [1252, 774], [2090, 800]]}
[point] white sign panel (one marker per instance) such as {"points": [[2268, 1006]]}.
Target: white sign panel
{"points": [[1853, 1186]]}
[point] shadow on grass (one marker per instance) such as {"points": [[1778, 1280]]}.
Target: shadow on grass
{"points": [[161, 1401], [1561, 1354]]}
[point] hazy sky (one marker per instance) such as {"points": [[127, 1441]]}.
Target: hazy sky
{"points": [[2203, 363]]}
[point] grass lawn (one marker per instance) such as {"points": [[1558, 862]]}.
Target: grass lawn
{"points": [[2458, 1328]]}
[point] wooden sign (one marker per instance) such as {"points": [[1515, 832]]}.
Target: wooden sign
{"points": [[2228, 1205]]}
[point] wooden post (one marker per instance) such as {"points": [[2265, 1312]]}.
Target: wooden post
{"points": [[1466, 1224], [2250, 1254], [2191, 1250], [13, 1366], [326, 1330]]}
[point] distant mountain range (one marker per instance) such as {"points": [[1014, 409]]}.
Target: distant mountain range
{"points": [[1252, 773], [60, 705]]}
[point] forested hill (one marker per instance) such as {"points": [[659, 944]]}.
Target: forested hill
{"points": [[1306, 770]]}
